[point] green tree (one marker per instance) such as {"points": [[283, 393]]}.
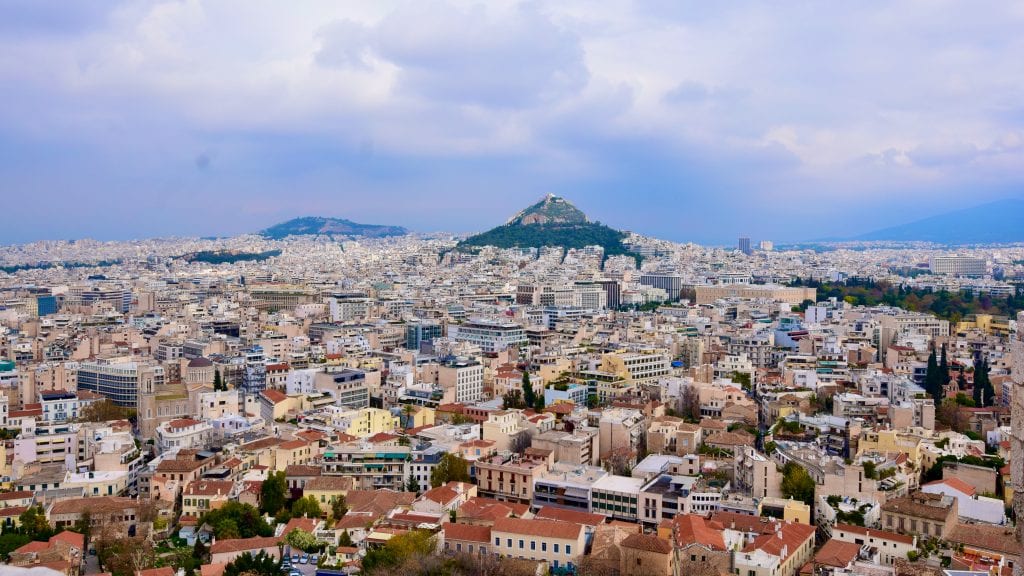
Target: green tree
{"points": [[931, 378], [218, 383], [451, 468], [308, 507], [513, 399], [302, 540], [34, 524], [797, 483], [84, 525], [529, 398], [236, 520], [262, 564], [411, 545], [11, 541], [411, 485], [538, 403], [984, 392], [345, 539], [338, 506], [105, 411], [273, 493], [200, 551]]}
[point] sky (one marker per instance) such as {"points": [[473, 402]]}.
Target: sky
{"points": [[686, 120]]}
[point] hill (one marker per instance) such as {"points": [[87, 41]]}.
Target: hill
{"points": [[552, 221], [993, 223], [315, 225]]}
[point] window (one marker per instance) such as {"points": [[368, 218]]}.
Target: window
{"points": [[521, 545], [556, 548], [533, 544], [568, 549]]}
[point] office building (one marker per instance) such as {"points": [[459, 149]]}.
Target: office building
{"points": [[958, 266], [119, 379], [490, 335], [744, 245], [670, 283]]}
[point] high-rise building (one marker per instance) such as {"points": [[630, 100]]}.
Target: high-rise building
{"points": [[958, 266], [613, 293], [670, 283], [254, 379], [119, 379], [489, 335], [766, 245], [744, 245], [419, 332]]}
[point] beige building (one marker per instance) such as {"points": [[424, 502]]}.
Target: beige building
{"points": [[508, 477], [926, 515], [557, 543], [790, 295]]}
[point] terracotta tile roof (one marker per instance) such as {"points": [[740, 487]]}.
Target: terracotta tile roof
{"points": [[995, 538], [539, 528], [209, 488], [96, 504], [212, 569], [574, 516], [647, 543], [355, 520], [956, 484], [240, 544], [32, 547], [921, 505], [789, 538], [694, 529], [11, 511], [380, 437], [297, 470], [335, 483], [182, 423], [293, 444], [837, 553], [275, 396], [486, 509], [70, 538], [260, 444], [20, 494], [306, 524], [872, 533]]}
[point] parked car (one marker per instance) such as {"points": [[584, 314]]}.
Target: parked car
{"points": [[304, 559], [313, 558]]}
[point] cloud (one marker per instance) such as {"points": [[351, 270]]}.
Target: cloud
{"points": [[409, 110]]}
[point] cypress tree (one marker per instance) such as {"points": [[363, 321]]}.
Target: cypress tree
{"points": [[931, 378]]}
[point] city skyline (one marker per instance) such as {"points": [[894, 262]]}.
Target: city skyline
{"points": [[682, 121]]}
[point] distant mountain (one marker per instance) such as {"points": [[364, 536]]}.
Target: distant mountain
{"points": [[993, 223], [315, 225], [552, 221]]}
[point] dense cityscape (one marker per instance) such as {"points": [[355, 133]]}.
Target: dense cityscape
{"points": [[511, 288], [300, 403]]}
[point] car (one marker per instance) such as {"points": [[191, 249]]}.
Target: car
{"points": [[295, 573], [295, 558], [313, 558], [304, 559]]}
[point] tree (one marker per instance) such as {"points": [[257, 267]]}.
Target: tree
{"points": [[200, 551], [218, 383], [944, 368], [262, 564], [105, 411], [338, 507], [411, 485], [689, 404], [308, 507], [414, 545], [345, 539], [797, 483], [538, 403], [529, 398], [961, 380], [34, 524], [513, 399], [84, 525], [302, 540], [273, 493], [123, 556], [931, 378], [236, 520], [11, 541], [984, 392], [451, 468]]}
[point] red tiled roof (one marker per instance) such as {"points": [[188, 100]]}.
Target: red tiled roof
{"points": [[466, 532], [539, 528], [956, 484], [240, 544], [837, 553], [872, 533], [275, 396], [694, 529], [574, 516]]}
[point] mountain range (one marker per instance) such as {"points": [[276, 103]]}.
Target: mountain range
{"points": [[993, 223], [317, 225]]}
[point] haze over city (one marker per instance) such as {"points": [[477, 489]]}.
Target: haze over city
{"points": [[690, 121], [418, 288]]}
